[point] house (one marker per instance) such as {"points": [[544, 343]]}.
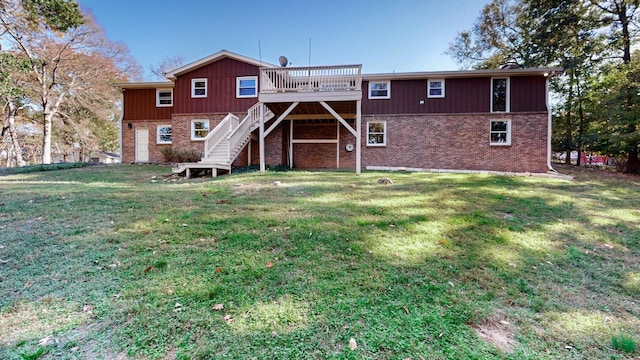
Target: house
{"points": [[238, 111], [105, 157]]}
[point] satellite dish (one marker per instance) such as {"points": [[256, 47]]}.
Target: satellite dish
{"points": [[283, 61]]}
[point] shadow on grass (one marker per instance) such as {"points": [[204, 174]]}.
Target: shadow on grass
{"points": [[303, 267]]}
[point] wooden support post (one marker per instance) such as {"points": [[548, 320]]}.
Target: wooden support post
{"points": [[262, 157], [358, 136], [291, 122]]}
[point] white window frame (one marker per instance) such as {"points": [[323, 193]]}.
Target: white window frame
{"points": [[193, 129], [507, 142], [384, 133], [160, 90], [507, 97], [241, 78], [429, 81], [193, 87], [388, 96], [158, 133]]}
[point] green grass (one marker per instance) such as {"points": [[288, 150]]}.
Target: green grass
{"points": [[113, 262]]}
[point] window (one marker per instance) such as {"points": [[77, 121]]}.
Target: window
{"points": [[199, 129], [500, 132], [164, 97], [246, 86], [376, 133], [379, 89], [500, 95], [164, 134], [198, 88], [435, 88]]}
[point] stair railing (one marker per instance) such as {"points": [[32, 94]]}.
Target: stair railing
{"points": [[219, 133]]}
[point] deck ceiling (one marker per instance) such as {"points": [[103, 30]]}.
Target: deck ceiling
{"points": [[314, 110]]}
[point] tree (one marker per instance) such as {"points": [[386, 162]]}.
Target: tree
{"points": [[167, 64], [77, 65], [618, 130], [621, 16], [12, 67], [495, 38]]}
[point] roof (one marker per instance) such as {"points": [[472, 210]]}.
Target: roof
{"points": [[173, 74], [109, 154], [145, 85], [463, 74]]}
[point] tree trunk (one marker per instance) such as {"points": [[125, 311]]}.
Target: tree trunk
{"points": [[11, 124], [626, 36], [633, 163], [46, 138], [580, 125], [568, 134], [49, 112]]}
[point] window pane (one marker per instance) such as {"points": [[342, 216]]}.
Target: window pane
{"points": [[498, 137], [376, 127], [164, 134], [248, 83], [435, 92], [199, 92], [247, 91], [376, 139], [381, 86], [435, 84], [499, 94], [499, 126], [199, 84]]}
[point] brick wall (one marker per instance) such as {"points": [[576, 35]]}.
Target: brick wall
{"points": [[322, 155], [439, 141], [459, 141], [129, 144], [181, 128], [275, 147]]}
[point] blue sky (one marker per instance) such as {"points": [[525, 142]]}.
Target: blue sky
{"points": [[382, 35]]}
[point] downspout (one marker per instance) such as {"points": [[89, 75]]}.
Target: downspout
{"points": [[551, 169], [121, 122]]}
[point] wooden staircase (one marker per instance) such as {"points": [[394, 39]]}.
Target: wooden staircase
{"points": [[223, 144]]}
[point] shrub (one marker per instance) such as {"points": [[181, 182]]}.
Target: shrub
{"points": [[180, 156]]}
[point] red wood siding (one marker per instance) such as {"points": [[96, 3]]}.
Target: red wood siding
{"points": [[461, 96], [528, 93], [140, 104], [221, 88], [464, 95]]}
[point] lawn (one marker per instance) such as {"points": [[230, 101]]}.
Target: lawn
{"points": [[114, 262]]}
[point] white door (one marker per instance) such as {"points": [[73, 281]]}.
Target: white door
{"points": [[142, 145]]}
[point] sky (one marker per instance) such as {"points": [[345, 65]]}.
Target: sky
{"points": [[383, 35]]}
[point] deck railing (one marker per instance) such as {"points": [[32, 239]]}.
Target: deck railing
{"points": [[311, 79]]}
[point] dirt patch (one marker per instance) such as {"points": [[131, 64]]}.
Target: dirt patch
{"points": [[245, 188], [496, 330]]}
